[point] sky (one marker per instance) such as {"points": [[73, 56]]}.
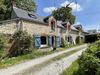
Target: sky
{"points": [[87, 12]]}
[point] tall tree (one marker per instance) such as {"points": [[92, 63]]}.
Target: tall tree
{"points": [[6, 6], [64, 13]]}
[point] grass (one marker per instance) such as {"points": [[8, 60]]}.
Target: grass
{"points": [[72, 69], [15, 60]]}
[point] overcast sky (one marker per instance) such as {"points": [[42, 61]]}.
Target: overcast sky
{"points": [[87, 12]]}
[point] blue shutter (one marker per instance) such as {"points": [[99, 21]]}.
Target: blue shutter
{"points": [[72, 40], [66, 37], [58, 41], [37, 41], [50, 40]]}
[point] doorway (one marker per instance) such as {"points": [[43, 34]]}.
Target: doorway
{"points": [[53, 38]]}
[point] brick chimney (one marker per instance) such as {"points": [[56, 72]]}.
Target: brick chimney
{"points": [[14, 4]]}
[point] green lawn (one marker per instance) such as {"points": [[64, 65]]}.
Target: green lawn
{"points": [[15, 60]]}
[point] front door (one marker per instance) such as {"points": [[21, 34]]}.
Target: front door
{"points": [[52, 40]]}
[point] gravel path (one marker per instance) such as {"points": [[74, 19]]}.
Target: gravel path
{"points": [[56, 68], [26, 65]]}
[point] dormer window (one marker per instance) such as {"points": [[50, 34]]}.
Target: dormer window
{"points": [[32, 15], [53, 25], [69, 27]]}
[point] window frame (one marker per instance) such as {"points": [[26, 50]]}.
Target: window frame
{"points": [[52, 25], [44, 45]]}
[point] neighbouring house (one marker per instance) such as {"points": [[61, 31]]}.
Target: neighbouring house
{"points": [[91, 36], [47, 30]]}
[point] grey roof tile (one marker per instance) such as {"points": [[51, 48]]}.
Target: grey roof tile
{"points": [[24, 14]]}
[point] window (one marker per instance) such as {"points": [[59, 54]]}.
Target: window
{"points": [[43, 41], [68, 27], [32, 16], [68, 39], [53, 25]]}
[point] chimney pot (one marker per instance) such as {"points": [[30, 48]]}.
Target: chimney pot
{"points": [[14, 4]]}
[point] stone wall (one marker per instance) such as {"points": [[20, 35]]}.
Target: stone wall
{"points": [[74, 34], [9, 27], [34, 28]]}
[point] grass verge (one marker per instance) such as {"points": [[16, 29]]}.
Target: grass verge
{"points": [[72, 69], [16, 60]]}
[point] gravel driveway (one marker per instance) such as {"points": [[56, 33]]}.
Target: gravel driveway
{"points": [[56, 68], [26, 65]]}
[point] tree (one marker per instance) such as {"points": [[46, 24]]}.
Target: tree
{"points": [[6, 6], [64, 13], [78, 40]]}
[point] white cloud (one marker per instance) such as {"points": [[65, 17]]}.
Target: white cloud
{"points": [[78, 23], [65, 3], [49, 9], [74, 6]]}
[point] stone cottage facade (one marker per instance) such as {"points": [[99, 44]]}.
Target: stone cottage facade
{"points": [[47, 30]]}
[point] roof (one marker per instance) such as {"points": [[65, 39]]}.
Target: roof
{"points": [[77, 26], [9, 20], [48, 16], [59, 23], [25, 15], [92, 31], [65, 22], [73, 28]]}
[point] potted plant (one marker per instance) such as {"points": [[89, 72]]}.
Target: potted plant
{"points": [[54, 46]]}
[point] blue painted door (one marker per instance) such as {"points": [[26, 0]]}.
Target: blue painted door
{"points": [[37, 41], [58, 41], [50, 40]]}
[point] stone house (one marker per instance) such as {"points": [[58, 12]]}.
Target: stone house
{"points": [[47, 30]]}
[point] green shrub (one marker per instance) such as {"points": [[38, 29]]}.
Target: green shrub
{"points": [[24, 42], [78, 40], [2, 44], [89, 61], [63, 43], [33, 42]]}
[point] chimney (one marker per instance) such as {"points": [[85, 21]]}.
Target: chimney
{"points": [[14, 4]]}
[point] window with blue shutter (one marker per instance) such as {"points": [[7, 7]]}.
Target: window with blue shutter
{"points": [[58, 41], [37, 41], [50, 40]]}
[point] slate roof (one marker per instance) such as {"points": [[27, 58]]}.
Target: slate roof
{"points": [[25, 15], [77, 26], [73, 28], [9, 20], [92, 31], [59, 23], [48, 17]]}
